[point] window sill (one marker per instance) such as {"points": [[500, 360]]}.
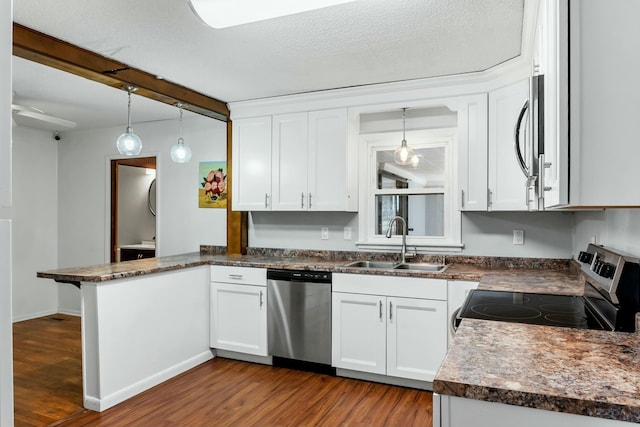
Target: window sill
{"points": [[419, 248]]}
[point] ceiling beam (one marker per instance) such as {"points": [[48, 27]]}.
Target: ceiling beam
{"points": [[44, 49]]}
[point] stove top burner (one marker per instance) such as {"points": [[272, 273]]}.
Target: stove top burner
{"points": [[537, 309]]}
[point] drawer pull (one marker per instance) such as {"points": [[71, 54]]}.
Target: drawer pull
{"points": [[235, 276], [261, 301]]}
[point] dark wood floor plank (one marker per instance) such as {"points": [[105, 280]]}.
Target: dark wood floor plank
{"points": [[221, 392]]}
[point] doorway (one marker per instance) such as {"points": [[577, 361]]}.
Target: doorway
{"points": [[133, 208]]}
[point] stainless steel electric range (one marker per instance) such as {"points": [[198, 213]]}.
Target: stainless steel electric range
{"points": [[610, 302]]}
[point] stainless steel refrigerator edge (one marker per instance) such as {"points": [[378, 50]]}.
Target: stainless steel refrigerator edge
{"points": [[299, 315]]}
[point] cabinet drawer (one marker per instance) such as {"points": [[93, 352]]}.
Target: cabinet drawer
{"points": [[240, 275], [393, 286], [127, 254]]}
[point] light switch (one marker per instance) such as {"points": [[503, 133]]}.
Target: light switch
{"points": [[324, 233]]}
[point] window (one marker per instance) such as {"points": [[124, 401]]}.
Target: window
{"points": [[421, 192]]}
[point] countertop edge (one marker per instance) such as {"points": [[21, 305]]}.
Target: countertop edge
{"points": [[555, 403]]}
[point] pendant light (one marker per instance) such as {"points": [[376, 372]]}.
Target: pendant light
{"points": [[180, 153], [129, 143], [403, 153]]}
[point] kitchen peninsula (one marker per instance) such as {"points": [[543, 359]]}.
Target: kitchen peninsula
{"points": [[147, 320]]}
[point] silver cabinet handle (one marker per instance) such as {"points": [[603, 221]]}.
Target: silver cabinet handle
{"points": [[462, 198], [235, 276], [380, 305], [390, 310], [302, 200], [266, 200], [489, 197], [309, 200], [261, 301]]}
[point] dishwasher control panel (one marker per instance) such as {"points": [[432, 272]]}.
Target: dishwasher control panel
{"points": [[300, 276]]}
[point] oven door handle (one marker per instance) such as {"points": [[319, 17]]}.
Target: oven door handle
{"points": [[452, 321]]}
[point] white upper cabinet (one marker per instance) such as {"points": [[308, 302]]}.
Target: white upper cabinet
{"points": [[472, 152], [294, 162], [551, 60], [507, 190], [289, 161], [586, 51], [332, 179], [251, 179], [605, 36]]}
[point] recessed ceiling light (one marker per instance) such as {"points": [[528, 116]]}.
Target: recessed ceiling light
{"points": [[228, 13]]}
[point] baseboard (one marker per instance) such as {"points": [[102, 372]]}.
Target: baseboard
{"points": [[69, 312], [100, 404], [385, 379], [31, 316], [226, 354]]}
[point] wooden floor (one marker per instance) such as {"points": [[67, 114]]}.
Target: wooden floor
{"points": [[47, 369], [225, 392]]}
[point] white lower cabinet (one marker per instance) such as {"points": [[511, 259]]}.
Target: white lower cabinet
{"points": [[359, 330], [239, 310], [416, 337], [398, 336], [450, 411]]}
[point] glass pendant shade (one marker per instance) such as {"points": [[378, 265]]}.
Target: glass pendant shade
{"points": [[129, 143], [180, 153], [403, 154]]}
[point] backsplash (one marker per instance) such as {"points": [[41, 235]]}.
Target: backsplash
{"points": [[478, 261]]}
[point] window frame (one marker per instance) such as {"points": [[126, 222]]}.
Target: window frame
{"points": [[370, 144]]}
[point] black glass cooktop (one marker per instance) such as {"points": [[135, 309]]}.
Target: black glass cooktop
{"points": [[537, 309]]}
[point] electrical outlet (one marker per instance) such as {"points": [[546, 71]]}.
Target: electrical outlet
{"points": [[518, 237], [324, 233], [347, 233]]}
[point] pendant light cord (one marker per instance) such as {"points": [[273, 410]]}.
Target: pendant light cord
{"points": [[403, 125], [180, 140], [129, 111]]}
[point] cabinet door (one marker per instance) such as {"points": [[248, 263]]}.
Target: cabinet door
{"points": [[553, 48], [358, 330], [416, 337], [328, 160], [289, 171], [251, 187], [239, 318], [472, 152], [507, 191]]}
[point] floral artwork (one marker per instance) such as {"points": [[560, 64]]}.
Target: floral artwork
{"points": [[212, 192]]}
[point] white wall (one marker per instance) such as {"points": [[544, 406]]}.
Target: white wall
{"points": [[35, 222], [617, 228], [6, 341], [547, 234], [135, 221], [83, 225]]}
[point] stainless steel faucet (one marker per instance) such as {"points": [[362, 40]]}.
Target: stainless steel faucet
{"points": [[403, 251]]}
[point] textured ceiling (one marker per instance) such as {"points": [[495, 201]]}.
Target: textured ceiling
{"points": [[358, 43]]}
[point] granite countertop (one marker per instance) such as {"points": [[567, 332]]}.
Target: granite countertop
{"points": [[459, 268], [585, 372]]}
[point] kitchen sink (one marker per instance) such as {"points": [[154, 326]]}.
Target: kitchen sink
{"points": [[435, 268], [372, 264], [386, 265]]}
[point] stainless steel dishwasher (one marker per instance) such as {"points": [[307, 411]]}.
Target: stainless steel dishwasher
{"points": [[299, 315]]}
